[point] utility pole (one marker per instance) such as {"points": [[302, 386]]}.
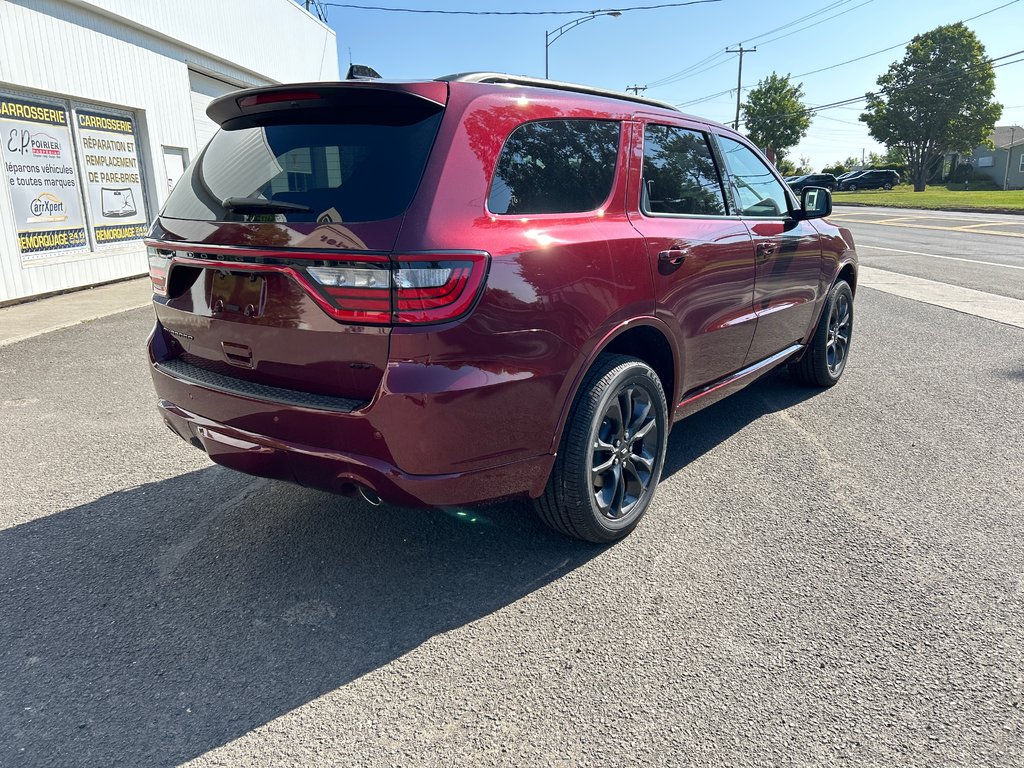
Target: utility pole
{"points": [[636, 89], [739, 81]]}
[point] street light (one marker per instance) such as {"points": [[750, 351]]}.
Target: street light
{"points": [[554, 34]]}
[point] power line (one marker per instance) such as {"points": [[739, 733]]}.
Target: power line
{"points": [[711, 96], [940, 78], [688, 72], [577, 12], [821, 21], [789, 24]]}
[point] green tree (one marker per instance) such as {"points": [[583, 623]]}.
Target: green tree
{"points": [[842, 166], [893, 160], [775, 115], [786, 167], [937, 99]]}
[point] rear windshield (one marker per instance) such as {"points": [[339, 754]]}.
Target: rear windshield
{"points": [[338, 172]]}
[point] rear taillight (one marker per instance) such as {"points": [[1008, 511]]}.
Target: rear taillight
{"points": [[411, 289], [370, 289], [359, 294], [432, 289], [158, 263]]}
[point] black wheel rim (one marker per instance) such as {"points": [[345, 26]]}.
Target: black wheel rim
{"points": [[625, 452], [837, 344]]}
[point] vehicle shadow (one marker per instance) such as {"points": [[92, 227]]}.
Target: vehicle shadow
{"points": [[155, 624], [695, 435]]}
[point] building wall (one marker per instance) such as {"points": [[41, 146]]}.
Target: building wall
{"points": [[106, 54], [998, 170]]}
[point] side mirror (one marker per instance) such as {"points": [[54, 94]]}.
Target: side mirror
{"points": [[815, 203]]}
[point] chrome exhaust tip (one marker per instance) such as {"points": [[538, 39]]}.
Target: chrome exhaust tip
{"points": [[369, 496]]}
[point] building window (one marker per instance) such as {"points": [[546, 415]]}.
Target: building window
{"points": [[1021, 168]]}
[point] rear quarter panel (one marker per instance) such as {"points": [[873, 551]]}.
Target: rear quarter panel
{"points": [[558, 284]]}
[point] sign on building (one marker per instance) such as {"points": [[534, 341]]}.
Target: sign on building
{"points": [[110, 156], [41, 177]]}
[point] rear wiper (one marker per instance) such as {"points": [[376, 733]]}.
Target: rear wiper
{"points": [[262, 205]]}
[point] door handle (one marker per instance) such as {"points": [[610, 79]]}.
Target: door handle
{"points": [[674, 256], [765, 249]]}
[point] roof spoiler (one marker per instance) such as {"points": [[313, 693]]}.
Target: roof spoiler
{"points": [[330, 102]]}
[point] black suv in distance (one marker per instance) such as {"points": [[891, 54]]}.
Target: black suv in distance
{"points": [[870, 180], [826, 180]]}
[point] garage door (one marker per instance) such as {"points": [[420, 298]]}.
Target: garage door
{"points": [[204, 90]]}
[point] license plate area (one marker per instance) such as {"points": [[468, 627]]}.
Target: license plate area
{"points": [[237, 293]]}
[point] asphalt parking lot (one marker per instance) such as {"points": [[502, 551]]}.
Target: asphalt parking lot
{"points": [[824, 577]]}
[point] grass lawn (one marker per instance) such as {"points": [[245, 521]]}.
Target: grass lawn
{"points": [[936, 198]]}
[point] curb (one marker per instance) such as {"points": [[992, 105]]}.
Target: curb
{"points": [[1010, 211]]}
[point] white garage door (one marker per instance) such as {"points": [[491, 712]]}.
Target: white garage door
{"points": [[204, 90]]}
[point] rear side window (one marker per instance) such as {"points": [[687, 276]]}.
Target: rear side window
{"points": [[680, 176], [555, 166], [344, 172]]}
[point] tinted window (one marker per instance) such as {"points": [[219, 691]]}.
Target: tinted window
{"points": [[349, 172], [680, 175], [555, 166], [758, 192]]}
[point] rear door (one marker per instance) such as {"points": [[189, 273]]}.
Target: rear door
{"points": [[787, 252], [703, 260]]}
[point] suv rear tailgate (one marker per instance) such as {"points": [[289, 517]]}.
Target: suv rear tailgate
{"points": [[300, 179]]}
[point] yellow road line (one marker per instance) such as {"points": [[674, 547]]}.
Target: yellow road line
{"points": [[889, 223], [993, 224]]}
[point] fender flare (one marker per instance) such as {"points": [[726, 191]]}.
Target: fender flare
{"points": [[601, 340]]}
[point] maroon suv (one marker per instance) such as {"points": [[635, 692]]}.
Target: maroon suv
{"points": [[481, 286]]}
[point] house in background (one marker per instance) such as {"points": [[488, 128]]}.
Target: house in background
{"points": [[1004, 163]]}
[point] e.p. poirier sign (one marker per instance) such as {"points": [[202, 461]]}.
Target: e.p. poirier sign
{"points": [[41, 177]]}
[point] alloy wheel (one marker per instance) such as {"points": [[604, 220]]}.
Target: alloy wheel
{"points": [[837, 343], [624, 452]]}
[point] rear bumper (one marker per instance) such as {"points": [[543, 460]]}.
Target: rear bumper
{"points": [[343, 472]]}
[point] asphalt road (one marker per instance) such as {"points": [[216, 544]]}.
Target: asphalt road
{"points": [[974, 250], [823, 578]]}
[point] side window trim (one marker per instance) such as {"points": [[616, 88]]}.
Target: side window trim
{"points": [[704, 131], [790, 197]]}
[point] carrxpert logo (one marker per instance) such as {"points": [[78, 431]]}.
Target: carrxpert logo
{"points": [[47, 207], [24, 142]]}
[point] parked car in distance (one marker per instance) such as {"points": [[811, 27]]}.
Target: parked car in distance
{"points": [[444, 292], [826, 180], [881, 179], [848, 175]]}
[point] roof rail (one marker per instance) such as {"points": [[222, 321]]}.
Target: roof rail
{"points": [[536, 82]]}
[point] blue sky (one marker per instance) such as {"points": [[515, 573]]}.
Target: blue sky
{"points": [[649, 47]]}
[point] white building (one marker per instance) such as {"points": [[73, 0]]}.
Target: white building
{"points": [[102, 105]]}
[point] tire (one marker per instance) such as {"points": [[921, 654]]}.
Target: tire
{"points": [[600, 450], [887, 186], [852, 188], [825, 358]]}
